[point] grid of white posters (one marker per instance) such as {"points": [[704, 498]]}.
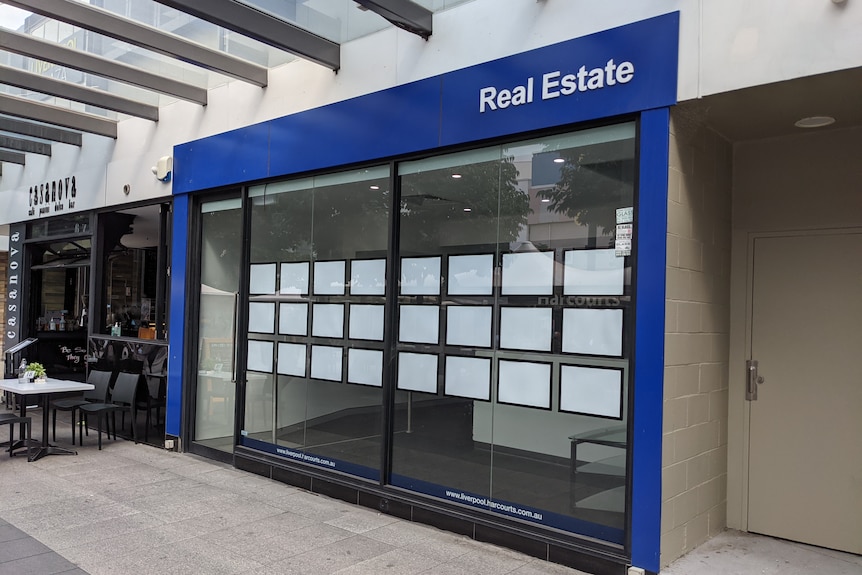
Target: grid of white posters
{"points": [[529, 273], [293, 318], [468, 377], [329, 278], [261, 317], [524, 383], [260, 356], [326, 362], [468, 325], [593, 272], [591, 391], [366, 322], [528, 328], [419, 324], [294, 278], [261, 279], [368, 277], [417, 372], [471, 275], [327, 320], [593, 331], [291, 359], [365, 367], [420, 276]]}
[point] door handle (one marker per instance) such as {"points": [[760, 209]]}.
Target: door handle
{"points": [[752, 380]]}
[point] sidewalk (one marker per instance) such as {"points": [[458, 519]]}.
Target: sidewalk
{"points": [[136, 509]]}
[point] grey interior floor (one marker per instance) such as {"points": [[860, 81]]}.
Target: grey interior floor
{"points": [[137, 509]]}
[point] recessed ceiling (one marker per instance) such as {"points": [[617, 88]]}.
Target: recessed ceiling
{"points": [[773, 109]]}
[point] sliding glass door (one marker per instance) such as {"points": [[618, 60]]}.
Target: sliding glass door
{"points": [[215, 377]]}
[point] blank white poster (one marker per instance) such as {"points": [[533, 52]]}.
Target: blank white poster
{"points": [[260, 355], [327, 320], [420, 276], [468, 325], [368, 277], [261, 317], [593, 331], [468, 377], [419, 324], [524, 383], [294, 278], [291, 359], [593, 272], [417, 372], [329, 278], [526, 328], [365, 367], [326, 362], [530, 273], [261, 279], [471, 275], [366, 322], [591, 391], [293, 318]]}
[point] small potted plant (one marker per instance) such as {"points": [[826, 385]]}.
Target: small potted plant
{"points": [[39, 375]]}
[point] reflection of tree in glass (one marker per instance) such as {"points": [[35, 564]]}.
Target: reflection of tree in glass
{"points": [[325, 223], [594, 181], [484, 204]]}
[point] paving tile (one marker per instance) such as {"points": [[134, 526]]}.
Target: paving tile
{"points": [[360, 520], [10, 533], [42, 564], [333, 557], [482, 561], [396, 562], [21, 548]]}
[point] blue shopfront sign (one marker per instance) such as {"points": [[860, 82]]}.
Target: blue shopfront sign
{"points": [[619, 71]]}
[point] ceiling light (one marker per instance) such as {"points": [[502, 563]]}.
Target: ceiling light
{"points": [[456, 176], [545, 200], [468, 209], [559, 160], [374, 187], [814, 122]]}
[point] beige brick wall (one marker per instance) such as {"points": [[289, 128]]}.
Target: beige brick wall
{"points": [[694, 448]]}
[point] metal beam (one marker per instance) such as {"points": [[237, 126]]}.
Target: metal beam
{"points": [[12, 157], [125, 30], [22, 145], [99, 98], [249, 21], [40, 131], [34, 47], [24, 108], [405, 14]]}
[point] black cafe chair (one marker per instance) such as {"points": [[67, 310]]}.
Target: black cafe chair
{"points": [[12, 419], [123, 398], [102, 381], [152, 398]]}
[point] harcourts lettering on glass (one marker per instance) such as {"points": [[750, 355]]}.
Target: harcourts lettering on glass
{"points": [[556, 84]]}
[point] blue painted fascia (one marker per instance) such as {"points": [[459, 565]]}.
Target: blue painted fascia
{"points": [[646, 434]]}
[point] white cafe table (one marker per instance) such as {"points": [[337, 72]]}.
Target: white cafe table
{"points": [[45, 389]]}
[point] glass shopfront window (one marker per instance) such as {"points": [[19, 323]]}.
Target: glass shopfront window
{"points": [[512, 347], [512, 320], [315, 317]]}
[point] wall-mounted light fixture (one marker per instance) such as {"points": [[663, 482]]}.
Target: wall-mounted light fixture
{"points": [[163, 168]]}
